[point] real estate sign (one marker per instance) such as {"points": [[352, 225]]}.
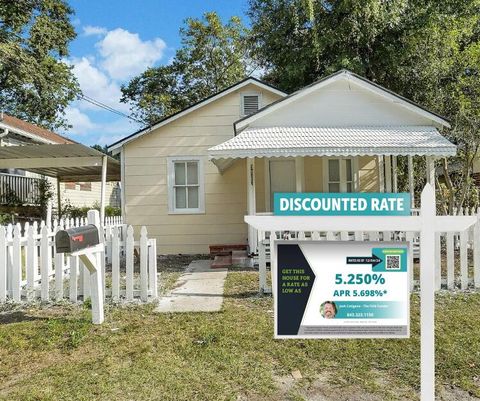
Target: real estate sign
{"points": [[327, 289]]}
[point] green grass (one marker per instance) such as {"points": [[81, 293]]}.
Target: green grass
{"points": [[56, 354]]}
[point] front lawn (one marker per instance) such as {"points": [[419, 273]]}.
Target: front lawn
{"points": [[56, 354]]}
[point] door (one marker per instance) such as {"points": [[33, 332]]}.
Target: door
{"points": [[282, 177]]}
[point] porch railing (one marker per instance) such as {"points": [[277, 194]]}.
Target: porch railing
{"points": [[17, 189], [455, 265]]}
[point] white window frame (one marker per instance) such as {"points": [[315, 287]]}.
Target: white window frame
{"points": [[343, 175], [171, 182], [242, 97]]}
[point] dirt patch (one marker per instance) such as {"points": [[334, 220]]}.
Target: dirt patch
{"points": [[176, 263], [455, 394]]}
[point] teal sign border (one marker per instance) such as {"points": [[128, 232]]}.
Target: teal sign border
{"points": [[341, 204]]}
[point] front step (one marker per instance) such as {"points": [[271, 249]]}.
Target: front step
{"points": [[226, 249], [240, 258], [222, 261]]}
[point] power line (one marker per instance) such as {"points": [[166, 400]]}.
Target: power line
{"points": [[108, 108]]}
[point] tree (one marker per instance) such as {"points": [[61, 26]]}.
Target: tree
{"points": [[35, 84], [427, 51], [212, 56]]}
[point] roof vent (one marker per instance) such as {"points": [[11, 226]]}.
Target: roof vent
{"points": [[250, 104]]}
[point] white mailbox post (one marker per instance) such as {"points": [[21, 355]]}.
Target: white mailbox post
{"points": [[86, 243]]}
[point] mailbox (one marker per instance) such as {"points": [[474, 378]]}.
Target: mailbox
{"points": [[76, 239]]}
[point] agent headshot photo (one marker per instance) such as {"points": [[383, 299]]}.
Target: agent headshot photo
{"points": [[328, 309]]}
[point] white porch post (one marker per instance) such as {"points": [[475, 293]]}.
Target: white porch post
{"points": [[394, 174], [299, 174], [251, 205], [381, 175], [430, 161], [103, 190], [410, 181], [388, 174]]}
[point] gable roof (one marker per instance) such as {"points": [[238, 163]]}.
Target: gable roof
{"points": [[31, 130], [195, 106], [351, 76]]}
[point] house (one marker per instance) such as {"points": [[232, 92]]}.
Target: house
{"points": [[22, 185], [191, 177]]}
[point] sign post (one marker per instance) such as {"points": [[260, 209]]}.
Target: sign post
{"points": [[427, 224]]}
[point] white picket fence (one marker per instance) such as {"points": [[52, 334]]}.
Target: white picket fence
{"points": [[456, 267], [30, 268]]}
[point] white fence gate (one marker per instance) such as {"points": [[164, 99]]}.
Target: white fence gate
{"points": [[30, 268]]}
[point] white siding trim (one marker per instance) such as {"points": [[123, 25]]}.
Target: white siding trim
{"points": [[201, 184]]}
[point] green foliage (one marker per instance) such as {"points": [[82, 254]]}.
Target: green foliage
{"points": [[71, 211], [213, 56], [35, 85], [45, 194], [5, 218]]}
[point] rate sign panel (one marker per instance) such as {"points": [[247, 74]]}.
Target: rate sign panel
{"points": [[329, 289]]}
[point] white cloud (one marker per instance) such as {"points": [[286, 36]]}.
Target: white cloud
{"points": [[125, 54], [90, 30], [118, 56], [97, 85], [81, 123]]}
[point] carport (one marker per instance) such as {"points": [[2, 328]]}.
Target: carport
{"points": [[66, 163]]}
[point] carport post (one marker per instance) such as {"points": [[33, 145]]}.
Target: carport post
{"points": [[59, 199], [103, 190]]}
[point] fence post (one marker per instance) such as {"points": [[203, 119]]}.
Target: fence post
{"points": [[31, 263], [74, 266], [115, 264], [59, 260], [153, 267], [17, 265], [3, 264], [36, 273], [262, 266], [427, 293], [143, 264], [450, 261], [9, 258], [463, 260], [44, 264], [93, 217], [476, 252], [129, 264]]}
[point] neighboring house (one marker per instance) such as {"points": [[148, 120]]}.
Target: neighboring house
{"points": [[191, 177], [22, 184]]}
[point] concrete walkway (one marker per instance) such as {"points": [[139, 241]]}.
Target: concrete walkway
{"points": [[199, 289]]}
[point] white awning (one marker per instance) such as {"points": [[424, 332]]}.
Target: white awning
{"points": [[332, 141], [66, 162]]}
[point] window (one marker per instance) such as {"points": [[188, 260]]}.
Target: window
{"points": [[250, 103], [185, 185], [338, 175]]}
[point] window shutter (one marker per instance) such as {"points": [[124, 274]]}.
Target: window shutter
{"points": [[250, 104]]}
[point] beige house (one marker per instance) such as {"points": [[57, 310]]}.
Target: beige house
{"points": [[16, 132], [192, 177]]}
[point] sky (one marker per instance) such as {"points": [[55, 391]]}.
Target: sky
{"points": [[117, 40]]}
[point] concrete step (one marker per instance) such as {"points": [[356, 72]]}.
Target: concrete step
{"points": [[222, 261], [240, 258], [226, 249]]}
